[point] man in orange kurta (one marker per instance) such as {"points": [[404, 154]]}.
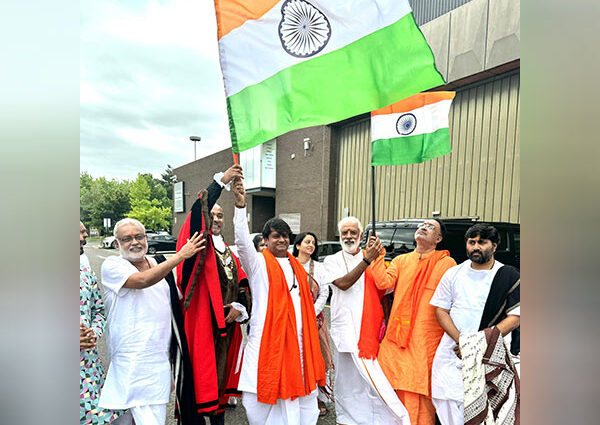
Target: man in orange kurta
{"points": [[413, 332]]}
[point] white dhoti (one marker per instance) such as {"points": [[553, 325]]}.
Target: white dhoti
{"points": [[301, 411], [449, 412], [154, 414], [363, 395]]}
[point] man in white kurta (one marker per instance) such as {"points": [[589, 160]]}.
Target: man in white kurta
{"points": [[302, 410], [139, 326], [463, 293], [362, 393]]}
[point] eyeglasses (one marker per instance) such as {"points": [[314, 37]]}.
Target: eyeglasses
{"points": [[426, 225], [138, 237]]}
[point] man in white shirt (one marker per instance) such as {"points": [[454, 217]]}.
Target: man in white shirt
{"points": [[363, 395], [139, 325], [282, 363], [477, 294]]}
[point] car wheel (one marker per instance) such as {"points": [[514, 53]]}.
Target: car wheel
{"points": [[115, 244], [151, 250]]}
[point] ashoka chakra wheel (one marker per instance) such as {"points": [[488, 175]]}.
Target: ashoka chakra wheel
{"points": [[406, 124], [303, 30]]}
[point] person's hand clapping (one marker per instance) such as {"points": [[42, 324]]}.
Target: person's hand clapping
{"points": [[194, 245]]}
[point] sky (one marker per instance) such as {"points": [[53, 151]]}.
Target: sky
{"points": [[149, 79]]}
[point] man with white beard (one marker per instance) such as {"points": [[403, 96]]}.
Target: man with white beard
{"points": [[139, 325], [363, 395]]}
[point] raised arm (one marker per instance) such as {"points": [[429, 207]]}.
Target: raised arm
{"points": [[373, 249], [141, 280], [384, 277], [246, 252], [220, 181]]}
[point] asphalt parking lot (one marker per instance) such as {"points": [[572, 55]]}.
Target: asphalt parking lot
{"points": [[234, 415]]}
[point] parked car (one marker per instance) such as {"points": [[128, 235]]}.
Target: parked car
{"points": [[397, 237], [328, 248], [161, 242], [109, 242]]}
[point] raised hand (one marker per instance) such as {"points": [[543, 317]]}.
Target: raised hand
{"points": [[374, 248], [194, 245], [239, 193], [232, 173]]}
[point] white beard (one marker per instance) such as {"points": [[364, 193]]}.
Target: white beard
{"points": [[132, 256], [349, 249]]}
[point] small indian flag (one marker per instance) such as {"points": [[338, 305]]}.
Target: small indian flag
{"points": [[291, 64], [412, 130]]}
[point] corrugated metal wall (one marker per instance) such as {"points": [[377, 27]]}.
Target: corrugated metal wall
{"points": [[427, 10], [479, 178]]}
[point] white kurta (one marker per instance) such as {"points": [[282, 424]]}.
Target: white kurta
{"points": [[346, 306], [139, 333], [255, 267], [464, 291], [363, 395]]}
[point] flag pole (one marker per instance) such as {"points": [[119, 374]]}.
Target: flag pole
{"points": [[373, 196], [236, 158]]}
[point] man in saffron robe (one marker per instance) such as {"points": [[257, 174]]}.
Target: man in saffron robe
{"points": [[208, 303], [282, 363], [363, 395], [476, 295], [413, 333]]}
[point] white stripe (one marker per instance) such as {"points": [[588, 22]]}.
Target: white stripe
{"points": [[430, 118], [253, 52]]}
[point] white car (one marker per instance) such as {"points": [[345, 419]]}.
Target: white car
{"points": [[109, 242]]}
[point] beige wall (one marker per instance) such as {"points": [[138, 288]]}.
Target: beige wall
{"points": [[479, 178]]}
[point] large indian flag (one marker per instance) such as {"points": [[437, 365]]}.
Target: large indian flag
{"points": [[412, 130], [292, 64]]}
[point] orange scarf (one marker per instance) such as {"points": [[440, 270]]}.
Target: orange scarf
{"points": [[372, 319], [406, 312], [279, 366]]}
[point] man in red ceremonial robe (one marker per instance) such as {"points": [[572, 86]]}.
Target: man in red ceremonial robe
{"points": [[209, 302]]}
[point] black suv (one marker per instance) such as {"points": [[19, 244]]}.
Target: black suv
{"points": [[397, 237]]}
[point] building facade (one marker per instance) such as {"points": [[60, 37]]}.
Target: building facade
{"points": [[323, 173]]}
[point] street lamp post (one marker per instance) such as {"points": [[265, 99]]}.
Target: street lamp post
{"points": [[195, 139]]}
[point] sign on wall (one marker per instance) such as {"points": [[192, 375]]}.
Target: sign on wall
{"points": [[293, 220], [178, 198], [259, 166]]}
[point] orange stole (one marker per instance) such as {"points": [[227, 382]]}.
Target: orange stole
{"points": [[279, 366], [372, 319]]}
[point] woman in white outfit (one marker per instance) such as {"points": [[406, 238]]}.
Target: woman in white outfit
{"points": [[306, 250]]}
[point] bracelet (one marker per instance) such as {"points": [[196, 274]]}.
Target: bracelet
{"points": [[367, 261]]}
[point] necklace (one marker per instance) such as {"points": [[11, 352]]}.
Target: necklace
{"points": [[147, 263], [293, 277]]}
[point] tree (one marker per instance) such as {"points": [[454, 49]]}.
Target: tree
{"points": [[146, 208], [100, 198], [167, 178]]}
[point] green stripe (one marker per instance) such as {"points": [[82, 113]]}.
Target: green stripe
{"points": [[410, 149], [379, 69]]}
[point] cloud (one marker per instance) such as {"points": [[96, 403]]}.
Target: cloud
{"points": [[150, 78]]}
